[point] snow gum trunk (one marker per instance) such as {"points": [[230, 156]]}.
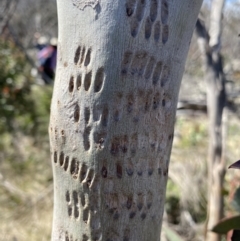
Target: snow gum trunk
{"points": [[119, 69]]}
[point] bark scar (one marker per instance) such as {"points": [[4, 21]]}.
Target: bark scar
{"points": [[81, 4]]}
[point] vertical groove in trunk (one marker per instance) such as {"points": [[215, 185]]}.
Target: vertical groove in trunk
{"points": [[119, 69]]}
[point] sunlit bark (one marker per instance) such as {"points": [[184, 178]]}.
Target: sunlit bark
{"points": [[120, 65]]}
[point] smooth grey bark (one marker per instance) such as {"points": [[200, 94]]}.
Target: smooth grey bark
{"points": [[210, 44], [119, 69]]}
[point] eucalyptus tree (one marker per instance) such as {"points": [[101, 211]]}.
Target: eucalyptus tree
{"points": [[210, 45], [119, 69]]}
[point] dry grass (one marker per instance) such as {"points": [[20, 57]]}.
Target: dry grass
{"points": [[25, 193]]}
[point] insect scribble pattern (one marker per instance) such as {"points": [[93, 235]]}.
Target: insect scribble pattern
{"points": [[122, 153]]}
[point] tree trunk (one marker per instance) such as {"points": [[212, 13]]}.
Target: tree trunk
{"points": [[210, 44], [216, 162], [119, 70]]}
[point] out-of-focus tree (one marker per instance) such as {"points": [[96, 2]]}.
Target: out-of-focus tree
{"points": [[22, 23], [30, 21], [210, 45], [32, 18], [7, 8], [24, 117]]}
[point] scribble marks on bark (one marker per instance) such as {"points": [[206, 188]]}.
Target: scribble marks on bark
{"points": [[82, 56], [167, 101], [61, 159], [165, 75], [138, 63], [134, 64], [149, 16], [79, 81], [140, 9], [55, 157], [164, 11], [104, 117], [130, 7], [149, 69], [99, 79], [83, 203], [119, 144], [77, 54], [88, 80], [88, 57], [149, 21], [112, 204], [89, 178], [81, 4], [72, 204], [129, 168], [157, 73], [130, 102], [68, 197], [76, 210], [150, 167], [157, 31], [74, 168], [85, 214], [104, 172], [165, 34], [119, 170], [153, 10], [76, 114], [134, 204], [84, 237], [148, 28], [149, 200], [135, 10], [156, 100], [126, 62], [83, 172], [141, 64], [87, 115], [97, 112], [66, 162], [69, 237], [86, 140], [100, 139], [71, 84]]}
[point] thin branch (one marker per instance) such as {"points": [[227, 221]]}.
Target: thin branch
{"points": [[7, 13], [215, 29]]}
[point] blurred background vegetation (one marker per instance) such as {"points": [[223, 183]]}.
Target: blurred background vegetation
{"points": [[26, 198], [25, 167]]}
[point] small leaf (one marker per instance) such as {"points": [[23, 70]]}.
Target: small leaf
{"points": [[235, 165], [227, 224]]}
